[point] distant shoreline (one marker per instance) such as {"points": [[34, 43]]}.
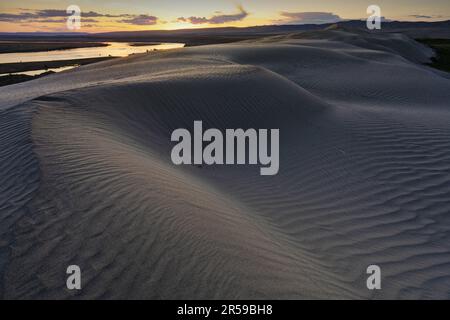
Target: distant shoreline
{"points": [[30, 66], [37, 46], [41, 65]]}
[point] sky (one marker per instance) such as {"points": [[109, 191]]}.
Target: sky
{"points": [[129, 15]]}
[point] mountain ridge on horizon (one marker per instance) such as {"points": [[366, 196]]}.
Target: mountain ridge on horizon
{"points": [[354, 23], [203, 36]]}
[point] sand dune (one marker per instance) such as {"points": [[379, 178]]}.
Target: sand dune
{"points": [[364, 174]]}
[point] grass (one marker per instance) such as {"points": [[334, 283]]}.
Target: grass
{"points": [[17, 78], [442, 48], [40, 65], [43, 65]]}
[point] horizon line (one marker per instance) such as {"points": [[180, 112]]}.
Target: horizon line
{"points": [[224, 27]]}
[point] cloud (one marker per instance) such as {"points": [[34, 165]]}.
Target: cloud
{"points": [[308, 17], [48, 20], [196, 20], [58, 20], [223, 18], [421, 16], [48, 15], [141, 20], [218, 18], [10, 17]]}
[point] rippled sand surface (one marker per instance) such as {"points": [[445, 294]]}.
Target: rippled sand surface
{"points": [[86, 175]]}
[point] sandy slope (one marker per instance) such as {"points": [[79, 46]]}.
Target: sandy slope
{"points": [[364, 174]]}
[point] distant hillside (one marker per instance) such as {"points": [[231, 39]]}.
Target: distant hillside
{"points": [[439, 29]]}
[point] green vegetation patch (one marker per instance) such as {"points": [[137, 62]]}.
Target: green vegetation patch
{"points": [[442, 48]]}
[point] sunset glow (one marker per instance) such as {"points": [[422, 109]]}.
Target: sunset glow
{"points": [[101, 16]]}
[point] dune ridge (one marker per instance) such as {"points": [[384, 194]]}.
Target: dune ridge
{"points": [[364, 170]]}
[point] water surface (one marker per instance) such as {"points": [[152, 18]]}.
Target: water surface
{"points": [[114, 49]]}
